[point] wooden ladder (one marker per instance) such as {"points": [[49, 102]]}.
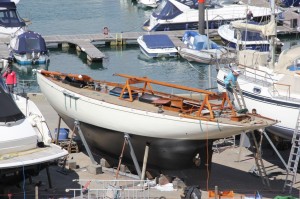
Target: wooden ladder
{"points": [[259, 161], [257, 153]]}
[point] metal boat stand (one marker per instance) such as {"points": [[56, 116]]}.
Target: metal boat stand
{"points": [[77, 126], [132, 154], [86, 146]]}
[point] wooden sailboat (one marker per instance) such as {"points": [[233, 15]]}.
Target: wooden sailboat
{"points": [[177, 126]]}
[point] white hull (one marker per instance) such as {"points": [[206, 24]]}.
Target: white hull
{"points": [[29, 59], [6, 32], [157, 52], [148, 124], [189, 17], [104, 118], [148, 3], [205, 56], [260, 96], [227, 34], [19, 145]]}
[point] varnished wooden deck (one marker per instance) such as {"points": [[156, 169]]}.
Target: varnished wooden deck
{"points": [[104, 96]]}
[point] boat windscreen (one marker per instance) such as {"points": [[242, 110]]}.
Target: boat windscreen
{"points": [[166, 10], [10, 112], [32, 44], [9, 16], [251, 36]]}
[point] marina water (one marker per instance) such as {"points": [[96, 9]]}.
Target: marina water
{"points": [[71, 17]]}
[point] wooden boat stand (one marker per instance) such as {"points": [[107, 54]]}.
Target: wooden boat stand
{"points": [[177, 101]]}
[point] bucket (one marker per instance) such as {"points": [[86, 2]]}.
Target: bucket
{"points": [[63, 134]]}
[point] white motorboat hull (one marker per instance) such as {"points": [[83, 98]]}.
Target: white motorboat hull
{"points": [[148, 3], [27, 145], [25, 59], [157, 52], [189, 17], [204, 56]]}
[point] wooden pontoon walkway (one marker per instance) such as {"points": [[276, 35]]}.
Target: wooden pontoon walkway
{"points": [[85, 42]]}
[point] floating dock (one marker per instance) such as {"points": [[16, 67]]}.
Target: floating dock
{"points": [[86, 42]]}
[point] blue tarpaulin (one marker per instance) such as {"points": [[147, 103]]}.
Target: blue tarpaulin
{"points": [[158, 41], [196, 41], [29, 42]]}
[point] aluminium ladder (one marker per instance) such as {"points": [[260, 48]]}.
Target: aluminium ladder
{"points": [[292, 165], [257, 154]]}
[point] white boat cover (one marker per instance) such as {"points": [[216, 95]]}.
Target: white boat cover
{"points": [[287, 58]]}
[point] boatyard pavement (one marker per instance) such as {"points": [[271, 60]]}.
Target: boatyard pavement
{"points": [[231, 169]]}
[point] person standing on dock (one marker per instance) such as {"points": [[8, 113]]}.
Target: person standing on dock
{"points": [[230, 83], [11, 79], [105, 31]]}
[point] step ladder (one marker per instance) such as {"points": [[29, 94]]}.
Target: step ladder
{"points": [[238, 94], [259, 161], [292, 165]]}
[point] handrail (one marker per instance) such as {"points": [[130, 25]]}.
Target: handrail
{"points": [[289, 88]]}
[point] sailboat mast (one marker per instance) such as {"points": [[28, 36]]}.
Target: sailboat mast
{"points": [[272, 2], [201, 4]]}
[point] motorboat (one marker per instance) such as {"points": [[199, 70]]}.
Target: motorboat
{"points": [[184, 15], [179, 128], [149, 3], [240, 37], [268, 85], [159, 45], [10, 21], [29, 48], [200, 48], [26, 143]]}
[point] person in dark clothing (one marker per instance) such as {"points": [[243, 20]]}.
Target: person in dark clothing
{"points": [[249, 15]]}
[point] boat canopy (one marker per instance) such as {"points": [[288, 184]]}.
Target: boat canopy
{"points": [[287, 58], [158, 41], [267, 30], [9, 16], [168, 9], [9, 109], [196, 41], [29, 42]]}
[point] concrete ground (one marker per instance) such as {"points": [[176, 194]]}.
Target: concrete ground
{"points": [[227, 172]]}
